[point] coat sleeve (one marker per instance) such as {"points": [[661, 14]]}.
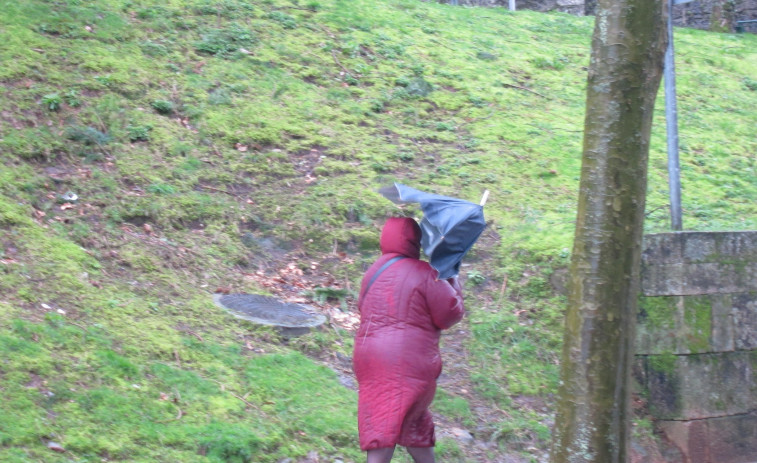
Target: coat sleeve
{"points": [[445, 302]]}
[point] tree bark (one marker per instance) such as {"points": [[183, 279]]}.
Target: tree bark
{"points": [[593, 415]]}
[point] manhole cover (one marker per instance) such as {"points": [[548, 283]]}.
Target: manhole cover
{"points": [[267, 310]]}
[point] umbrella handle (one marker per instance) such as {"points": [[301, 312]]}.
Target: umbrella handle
{"points": [[484, 197]]}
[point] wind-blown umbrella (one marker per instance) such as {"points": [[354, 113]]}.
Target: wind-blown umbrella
{"points": [[450, 226]]}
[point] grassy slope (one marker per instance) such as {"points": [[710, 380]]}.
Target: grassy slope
{"points": [[198, 164]]}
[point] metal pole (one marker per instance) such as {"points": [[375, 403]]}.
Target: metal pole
{"points": [[671, 118], [511, 5]]}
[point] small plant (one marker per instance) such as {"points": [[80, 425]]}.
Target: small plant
{"points": [[323, 294], [557, 63], [52, 101], [72, 98], [377, 106], [230, 9], [219, 96], [405, 155], [477, 101], [380, 167], [87, 135], [225, 43], [162, 106], [751, 84], [138, 132], [105, 80], [476, 277], [418, 87], [161, 189], [153, 49], [286, 21], [486, 56]]}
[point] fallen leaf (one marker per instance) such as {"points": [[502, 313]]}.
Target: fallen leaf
{"points": [[55, 447]]}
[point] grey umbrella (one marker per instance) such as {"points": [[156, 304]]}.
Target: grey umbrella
{"points": [[450, 226]]}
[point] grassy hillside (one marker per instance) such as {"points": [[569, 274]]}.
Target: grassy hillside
{"points": [[156, 152]]}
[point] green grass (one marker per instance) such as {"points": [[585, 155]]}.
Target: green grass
{"points": [[209, 140]]}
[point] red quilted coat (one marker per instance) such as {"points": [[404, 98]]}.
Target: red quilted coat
{"points": [[396, 357]]}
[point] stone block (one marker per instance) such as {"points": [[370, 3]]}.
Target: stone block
{"points": [[699, 247], [744, 312], [686, 387], [697, 324], [688, 263], [698, 278], [730, 439], [676, 324], [722, 339], [688, 437], [733, 439], [657, 324]]}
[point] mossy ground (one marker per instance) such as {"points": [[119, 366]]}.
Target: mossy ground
{"points": [[209, 143]]}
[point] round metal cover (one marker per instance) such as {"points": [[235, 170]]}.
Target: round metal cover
{"points": [[267, 310]]}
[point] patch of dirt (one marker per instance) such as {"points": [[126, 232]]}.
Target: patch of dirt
{"points": [[305, 161], [481, 445]]}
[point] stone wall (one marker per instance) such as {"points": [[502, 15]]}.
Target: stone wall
{"points": [[700, 14], [575, 7], [716, 15], [697, 344]]}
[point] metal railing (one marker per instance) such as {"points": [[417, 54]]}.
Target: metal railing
{"points": [[740, 25]]}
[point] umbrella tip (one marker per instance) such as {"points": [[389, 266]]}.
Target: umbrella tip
{"points": [[484, 197]]}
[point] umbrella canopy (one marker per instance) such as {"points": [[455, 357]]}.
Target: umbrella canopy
{"points": [[450, 226]]}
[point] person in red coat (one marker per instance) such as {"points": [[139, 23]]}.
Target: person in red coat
{"points": [[396, 357]]}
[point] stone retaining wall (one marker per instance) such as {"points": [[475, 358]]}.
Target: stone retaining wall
{"points": [[720, 15], [697, 344]]}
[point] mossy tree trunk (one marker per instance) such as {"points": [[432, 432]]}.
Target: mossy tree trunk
{"points": [[593, 415]]}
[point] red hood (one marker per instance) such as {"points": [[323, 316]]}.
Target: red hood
{"points": [[401, 235]]}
